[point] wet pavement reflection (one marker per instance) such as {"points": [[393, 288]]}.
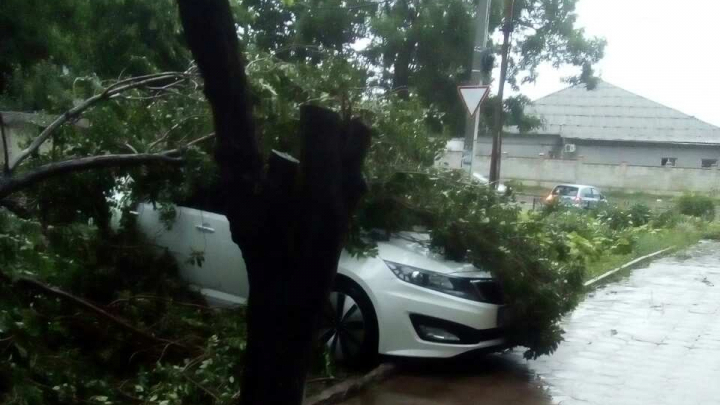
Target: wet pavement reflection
{"points": [[652, 337], [489, 380]]}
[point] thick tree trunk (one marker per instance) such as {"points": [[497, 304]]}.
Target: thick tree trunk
{"points": [[290, 221], [401, 70], [401, 65]]}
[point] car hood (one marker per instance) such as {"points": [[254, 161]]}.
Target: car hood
{"points": [[412, 249]]}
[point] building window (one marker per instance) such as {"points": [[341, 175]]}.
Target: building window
{"points": [[668, 161], [708, 163]]}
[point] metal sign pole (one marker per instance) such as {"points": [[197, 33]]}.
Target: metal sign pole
{"points": [[476, 77]]}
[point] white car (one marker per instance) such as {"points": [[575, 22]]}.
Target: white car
{"points": [[406, 301]]}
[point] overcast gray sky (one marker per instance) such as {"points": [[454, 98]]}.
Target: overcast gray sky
{"points": [[665, 50]]}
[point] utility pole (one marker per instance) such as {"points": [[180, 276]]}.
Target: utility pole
{"points": [[477, 76], [496, 156]]}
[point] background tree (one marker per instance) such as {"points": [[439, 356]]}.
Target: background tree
{"points": [[426, 46], [70, 39]]}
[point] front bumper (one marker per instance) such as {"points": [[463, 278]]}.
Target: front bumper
{"points": [[402, 307]]}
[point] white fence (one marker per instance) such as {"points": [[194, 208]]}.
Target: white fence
{"points": [[547, 172]]}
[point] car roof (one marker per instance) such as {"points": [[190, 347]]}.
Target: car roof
{"points": [[575, 185]]}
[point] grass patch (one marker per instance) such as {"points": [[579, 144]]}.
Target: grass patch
{"points": [[655, 202], [712, 231], [650, 242]]}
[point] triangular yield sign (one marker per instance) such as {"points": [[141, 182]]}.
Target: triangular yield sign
{"points": [[473, 96]]}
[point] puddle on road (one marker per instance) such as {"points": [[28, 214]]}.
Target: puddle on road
{"points": [[490, 380]]}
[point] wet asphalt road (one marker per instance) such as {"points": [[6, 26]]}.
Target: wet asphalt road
{"points": [[652, 338]]}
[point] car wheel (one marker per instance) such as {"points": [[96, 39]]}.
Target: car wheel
{"points": [[348, 326]]}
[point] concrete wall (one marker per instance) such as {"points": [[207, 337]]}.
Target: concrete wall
{"points": [[522, 146], [635, 154], [17, 136], [689, 156], [548, 172], [14, 136]]}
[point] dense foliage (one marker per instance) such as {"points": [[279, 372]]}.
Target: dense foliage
{"points": [[55, 352]]}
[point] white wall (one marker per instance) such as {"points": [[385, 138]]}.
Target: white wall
{"points": [[689, 156], [13, 138], [635, 154], [547, 172], [523, 146], [17, 136]]}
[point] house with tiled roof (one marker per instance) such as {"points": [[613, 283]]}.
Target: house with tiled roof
{"points": [[610, 125]]}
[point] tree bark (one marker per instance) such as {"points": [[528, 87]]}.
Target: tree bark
{"points": [[289, 221], [401, 70], [403, 58]]}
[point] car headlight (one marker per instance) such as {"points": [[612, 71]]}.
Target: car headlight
{"points": [[455, 286]]}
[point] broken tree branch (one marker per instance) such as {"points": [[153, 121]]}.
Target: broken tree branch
{"points": [[173, 152], [11, 184], [74, 112], [172, 128], [6, 154], [142, 297], [87, 306]]}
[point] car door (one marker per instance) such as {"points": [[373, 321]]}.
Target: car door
{"points": [[589, 200], [183, 240], [598, 197], [223, 258]]}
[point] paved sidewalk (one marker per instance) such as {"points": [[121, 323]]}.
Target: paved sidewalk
{"points": [[652, 338]]}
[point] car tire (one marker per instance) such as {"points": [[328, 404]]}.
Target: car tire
{"points": [[350, 334]]}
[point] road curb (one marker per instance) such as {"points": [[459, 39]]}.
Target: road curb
{"points": [[344, 390], [625, 266]]}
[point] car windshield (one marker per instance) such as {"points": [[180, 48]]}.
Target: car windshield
{"points": [[565, 191]]}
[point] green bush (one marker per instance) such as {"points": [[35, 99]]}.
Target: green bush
{"points": [[696, 205], [618, 219], [640, 214], [667, 219], [552, 206], [712, 232], [577, 221], [614, 217]]}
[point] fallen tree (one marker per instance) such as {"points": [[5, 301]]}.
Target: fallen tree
{"points": [[289, 221]]}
